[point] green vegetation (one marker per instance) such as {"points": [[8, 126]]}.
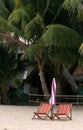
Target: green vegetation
{"points": [[52, 28]]}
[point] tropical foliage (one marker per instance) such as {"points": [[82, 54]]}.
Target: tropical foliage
{"points": [[52, 28], [7, 67], [81, 49]]}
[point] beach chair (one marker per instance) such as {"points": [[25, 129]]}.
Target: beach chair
{"points": [[64, 111], [43, 111]]}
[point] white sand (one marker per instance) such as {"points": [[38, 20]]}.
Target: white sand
{"points": [[20, 118]]}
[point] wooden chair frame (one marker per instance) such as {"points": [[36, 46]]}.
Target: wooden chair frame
{"points": [[64, 112], [43, 111]]}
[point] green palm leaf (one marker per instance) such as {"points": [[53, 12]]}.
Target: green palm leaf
{"points": [[7, 26], [47, 6], [71, 5], [3, 24], [74, 6], [17, 15], [34, 27], [61, 35], [32, 51], [4, 12], [18, 4], [10, 4], [19, 18], [81, 49]]}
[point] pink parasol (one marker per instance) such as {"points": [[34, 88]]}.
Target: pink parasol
{"points": [[53, 94]]}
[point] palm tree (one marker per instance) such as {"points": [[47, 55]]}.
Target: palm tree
{"points": [[29, 21], [65, 38], [7, 67], [75, 9], [21, 9]]}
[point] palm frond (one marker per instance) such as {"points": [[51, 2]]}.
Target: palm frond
{"points": [[7, 26], [71, 5], [80, 12], [12, 28], [4, 12], [61, 35], [32, 51], [47, 6], [3, 24], [29, 52], [34, 27], [58, 11], [19, 16], [59, 55], [18, 4], [74, 7], [10, 4], [16, 16], [81, 49]]}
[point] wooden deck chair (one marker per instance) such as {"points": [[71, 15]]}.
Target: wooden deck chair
{"points": [[43, 111], [64, 111]]}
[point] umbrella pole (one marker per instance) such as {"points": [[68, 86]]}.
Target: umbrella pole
{"points": [[52, 111]]}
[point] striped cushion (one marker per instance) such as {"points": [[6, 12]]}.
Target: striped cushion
{"points": [[63, 109], [44, 108]]}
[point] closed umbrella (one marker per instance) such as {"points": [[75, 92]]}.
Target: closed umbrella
{"points": [[53, 95]]}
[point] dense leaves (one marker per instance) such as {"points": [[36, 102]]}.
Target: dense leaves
{"points": [[32, 20]]}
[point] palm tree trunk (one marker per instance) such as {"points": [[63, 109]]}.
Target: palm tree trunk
{"points": [[58, 88], [4, 95], [70, 80], [58, 91], [42, 79]]}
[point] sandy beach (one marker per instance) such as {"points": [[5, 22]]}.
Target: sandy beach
{"points": [[20, 118]]}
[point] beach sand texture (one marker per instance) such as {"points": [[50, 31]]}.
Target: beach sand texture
{"points": [[20, 118]]}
